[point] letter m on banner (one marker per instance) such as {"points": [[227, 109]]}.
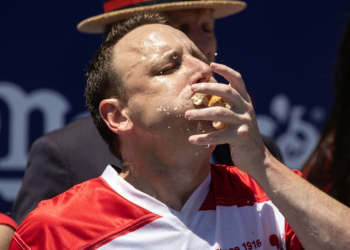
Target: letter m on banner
{"points": [[51, 104]]}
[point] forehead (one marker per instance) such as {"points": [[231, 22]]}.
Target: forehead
{"points": [[152, 39]]}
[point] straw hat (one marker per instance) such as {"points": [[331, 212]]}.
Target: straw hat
{"points": [[116, 10]]}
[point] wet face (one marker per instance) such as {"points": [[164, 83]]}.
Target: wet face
{"points": [[198, 25], [158, 64]]}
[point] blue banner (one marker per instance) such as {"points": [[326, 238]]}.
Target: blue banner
{"points": [[284, 50]]}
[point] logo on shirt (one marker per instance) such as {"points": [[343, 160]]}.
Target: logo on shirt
{"points": [[257, 244]]}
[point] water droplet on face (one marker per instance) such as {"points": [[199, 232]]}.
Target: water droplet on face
{"points": [[174, 57], [216, 54], [143, 58], [175, 108], [203, 131], [159, 109], [161, 72], [208, 146], [164, 109], [167, 113], [211, 138], [169, 127]]}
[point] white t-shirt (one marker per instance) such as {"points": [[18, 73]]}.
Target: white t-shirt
{"points": [[227, 211]]}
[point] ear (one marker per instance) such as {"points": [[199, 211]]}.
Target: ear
{"points": [[114, 114]]}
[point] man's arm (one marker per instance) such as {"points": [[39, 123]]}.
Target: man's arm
{"points": [[222, 155], [319, 221]]}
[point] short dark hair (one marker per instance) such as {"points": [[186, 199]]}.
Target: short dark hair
{"points": [[104, 82]]}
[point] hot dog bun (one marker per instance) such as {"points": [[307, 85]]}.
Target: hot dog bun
{"points": [[211, 101]]}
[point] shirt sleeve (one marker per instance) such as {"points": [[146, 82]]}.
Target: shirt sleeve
{"points": [[292, 241], [5, 220]]}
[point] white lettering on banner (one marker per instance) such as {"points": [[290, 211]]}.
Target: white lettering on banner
{"points": [[299, 139], [296, 142], [51, 104]]}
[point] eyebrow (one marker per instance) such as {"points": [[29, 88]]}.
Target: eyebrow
{"points": [[198, 54], [172, 53], [158, 62], [166, 56]]}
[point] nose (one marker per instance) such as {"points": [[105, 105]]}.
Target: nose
{"points": [[202, 71]]}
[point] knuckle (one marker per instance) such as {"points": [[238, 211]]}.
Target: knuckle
{"points": [[238, 75], [222, 111], [214, 138], [227, 89], [243, 130], [246, 117]]}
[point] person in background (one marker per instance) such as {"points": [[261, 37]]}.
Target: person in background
{"points": [[168, 195], [76, 153], [7, 229], [328, 168]]}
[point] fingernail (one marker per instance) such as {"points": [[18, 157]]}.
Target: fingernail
{"points": [[188, 114], [191, 139], [194, 87]]}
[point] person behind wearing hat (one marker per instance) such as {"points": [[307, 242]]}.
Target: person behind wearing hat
{"points": [[76, 153], [168, 195]]}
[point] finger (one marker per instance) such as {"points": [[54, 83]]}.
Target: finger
{"points": [[216, 114], [213, 138], [233, 77]]}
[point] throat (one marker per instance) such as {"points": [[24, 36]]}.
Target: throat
{"points": [[173, 187]]}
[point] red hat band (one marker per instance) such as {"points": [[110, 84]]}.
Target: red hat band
{"points": [[112, 5]]}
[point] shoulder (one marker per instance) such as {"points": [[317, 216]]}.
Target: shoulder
{"points": [[77, 145], [232, 187], [237, 187], [75, 132], [77, 128], [234, 179], [87, 213]]}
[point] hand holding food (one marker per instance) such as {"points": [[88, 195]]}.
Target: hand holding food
{"points": [[211, 101]]}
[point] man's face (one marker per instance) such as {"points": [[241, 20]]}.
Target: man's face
{"points": [[198, 25], [158, 64]]}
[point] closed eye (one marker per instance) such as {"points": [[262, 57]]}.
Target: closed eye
{"points": [[170, 69], [207, 28]]}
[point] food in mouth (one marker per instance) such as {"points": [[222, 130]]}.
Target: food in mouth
{"points": [[211, 101]]}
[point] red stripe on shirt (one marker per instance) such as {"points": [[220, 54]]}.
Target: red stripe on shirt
{"points": [[82, 219]]}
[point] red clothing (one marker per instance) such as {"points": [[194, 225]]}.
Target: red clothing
{"points": [[5, 220], [227, 211]]}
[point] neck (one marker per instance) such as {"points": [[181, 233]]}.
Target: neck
{"points": [[167, 174]]}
